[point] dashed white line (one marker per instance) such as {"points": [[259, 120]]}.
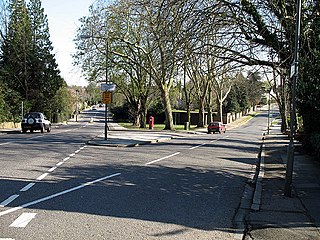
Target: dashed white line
{"points": [[6, 143], [72, 154], [27, 187], [160, 159], [59, 163], [9, 200], [23, 220], [77, 151], [52, 169], [66, 159], [197, 146], [57, 194], [42, 176]]}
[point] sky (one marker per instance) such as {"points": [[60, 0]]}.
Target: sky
{"points": [[63, 18]]}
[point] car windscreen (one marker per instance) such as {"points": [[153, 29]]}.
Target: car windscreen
{"points": [[33, 115]]}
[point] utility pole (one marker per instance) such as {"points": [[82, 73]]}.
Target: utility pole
{"points": [[294, 75], [106, 104], [77, 104]]}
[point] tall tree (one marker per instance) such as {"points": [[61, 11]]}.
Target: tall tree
{"points": [[15, 63], [45, 69]]}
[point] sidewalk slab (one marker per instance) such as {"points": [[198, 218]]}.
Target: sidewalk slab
{"points": [[281, 217]]}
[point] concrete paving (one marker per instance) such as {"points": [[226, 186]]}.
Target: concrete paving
{"points": [[275, 216]]}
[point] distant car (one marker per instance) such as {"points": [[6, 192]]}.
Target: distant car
{"points": [[35, 121], [216, 127]]}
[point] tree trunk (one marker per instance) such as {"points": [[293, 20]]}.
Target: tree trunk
{"points": [[136, 114], [167, 109], [220, 111], [143, 114], [201, 114]]}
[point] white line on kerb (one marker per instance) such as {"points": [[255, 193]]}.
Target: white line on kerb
{"points": [[9, 200], [27, 187], [160, 159], [57, 194], [23, 220]]}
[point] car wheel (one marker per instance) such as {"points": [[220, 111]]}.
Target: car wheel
{"points": [[24, 130], [49, 128], [42, 129], [31, 130]]}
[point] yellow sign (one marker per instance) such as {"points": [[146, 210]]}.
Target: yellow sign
{"points": [[107, 97]]}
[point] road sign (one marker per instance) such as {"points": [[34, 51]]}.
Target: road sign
{"points": [[108, 87], [107, 97]]}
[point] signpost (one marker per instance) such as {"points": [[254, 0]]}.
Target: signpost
{"points": [[107, 87], [107, 90], [107, 97]]}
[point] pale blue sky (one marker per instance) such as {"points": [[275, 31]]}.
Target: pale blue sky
{"points": [[63, 16]]}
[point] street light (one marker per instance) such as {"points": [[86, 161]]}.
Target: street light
{"points": [[269, 101], [77, 106], [294, 75], [107, 80]]}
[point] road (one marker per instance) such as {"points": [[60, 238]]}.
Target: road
{"points": [[55, 186]]}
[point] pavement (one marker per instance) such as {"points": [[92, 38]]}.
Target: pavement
{"points": [[273, 215]]}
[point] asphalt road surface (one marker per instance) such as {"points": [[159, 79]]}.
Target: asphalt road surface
{"points": [[55, 186]]}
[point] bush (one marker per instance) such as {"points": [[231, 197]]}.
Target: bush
{"points": [[121, 113], [315, 145]]}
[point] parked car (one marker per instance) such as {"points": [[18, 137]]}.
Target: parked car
{"points": [[216, 127], [35, 121]]}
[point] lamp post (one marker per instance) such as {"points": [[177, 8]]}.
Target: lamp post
{"points": [[269, 102], [294, 75], [77, 106], [106, 105], [107, 80]]}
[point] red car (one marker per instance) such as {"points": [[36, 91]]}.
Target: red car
{"points": [[216, 127]]}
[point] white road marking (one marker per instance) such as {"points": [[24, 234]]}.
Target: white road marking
{"points": [[66, 159], [42, 176], [77, 151], [59, 163], [72, 154], [57, 194], [6, 238], [82, 147], [160, 159], [27, 187], [9, 200], [197, 146], [23, 220], [52, 169], [6, 143]]}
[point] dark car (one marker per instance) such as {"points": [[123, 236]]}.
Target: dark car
{"points": [[216, 127], [35, 121]]}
